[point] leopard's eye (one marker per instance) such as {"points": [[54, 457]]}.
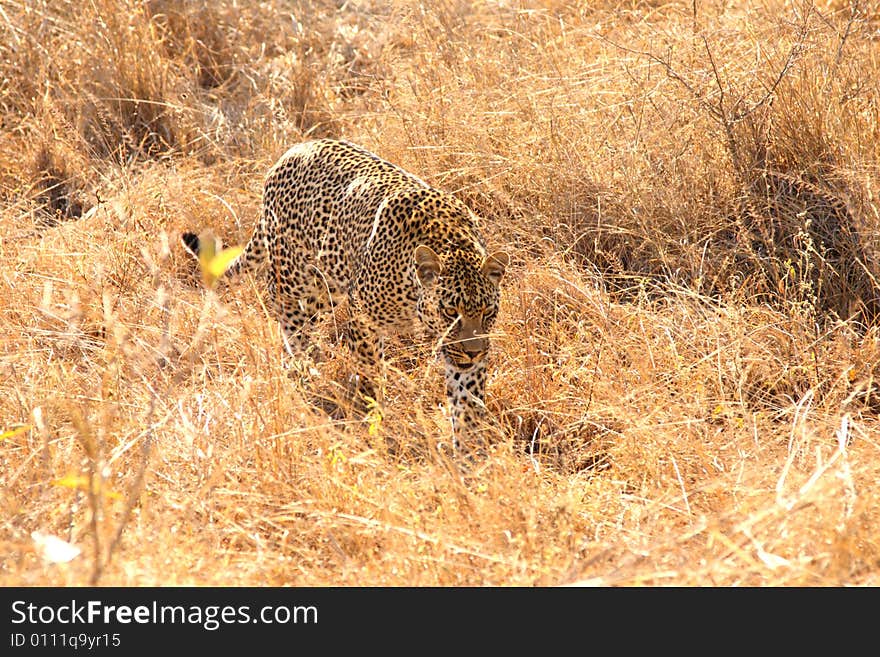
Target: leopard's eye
{"points": [[450, 312], [489, 314]]}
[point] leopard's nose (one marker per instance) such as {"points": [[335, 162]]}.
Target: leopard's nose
{"points": [[474, 345]]}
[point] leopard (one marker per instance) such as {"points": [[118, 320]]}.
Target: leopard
{"points": [[339, 225]]}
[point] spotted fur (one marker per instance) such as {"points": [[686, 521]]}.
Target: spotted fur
{"points": [[339, 222]]}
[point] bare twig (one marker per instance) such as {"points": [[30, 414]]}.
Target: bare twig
{"points": [[718, 110], [136, 485], [854, 12]]}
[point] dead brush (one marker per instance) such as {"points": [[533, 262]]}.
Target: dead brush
{"points": [[684, 385]]}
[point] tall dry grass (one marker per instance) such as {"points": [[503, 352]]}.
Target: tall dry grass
{"points": [[684, 377]]}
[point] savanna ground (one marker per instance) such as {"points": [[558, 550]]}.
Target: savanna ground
{"points": [[683, 378]]}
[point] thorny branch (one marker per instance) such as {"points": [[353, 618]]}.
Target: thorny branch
{"points": [[718, 111]]}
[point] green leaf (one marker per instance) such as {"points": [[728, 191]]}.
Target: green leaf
{"points": [[11, 433], [81, 482], [215, 265]]}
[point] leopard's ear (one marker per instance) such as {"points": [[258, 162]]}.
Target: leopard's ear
{"points": [[494, 266], [428, 265]]}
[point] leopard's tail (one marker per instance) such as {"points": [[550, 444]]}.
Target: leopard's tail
{"points": [[249, 260]]}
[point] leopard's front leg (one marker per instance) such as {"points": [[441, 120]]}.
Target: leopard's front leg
{"points": [[466, 393], [367, 346]]}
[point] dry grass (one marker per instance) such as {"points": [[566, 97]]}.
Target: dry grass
{"points": [[684, 381]]}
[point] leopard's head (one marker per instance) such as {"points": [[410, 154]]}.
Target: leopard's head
{"points": [[458, 299]]}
